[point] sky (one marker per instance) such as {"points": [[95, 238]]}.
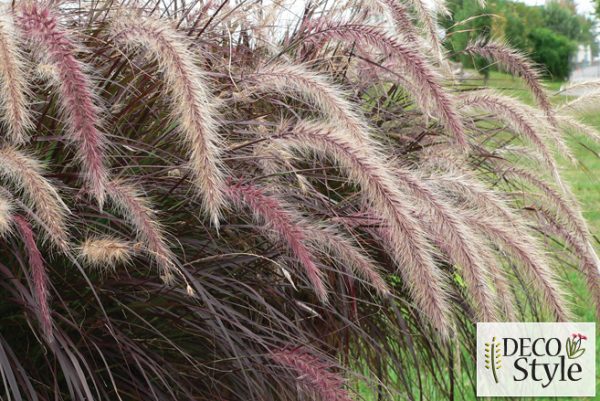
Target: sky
{"points": [[583, 6]]}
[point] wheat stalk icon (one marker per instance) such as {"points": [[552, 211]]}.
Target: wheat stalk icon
{"points": [[493, 359]]}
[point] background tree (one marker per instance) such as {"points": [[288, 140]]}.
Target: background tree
{"points": [[469, 22], [553, 51], [551, 32]]}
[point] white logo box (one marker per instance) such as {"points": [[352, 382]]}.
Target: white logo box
{"points": [[536, 359]]}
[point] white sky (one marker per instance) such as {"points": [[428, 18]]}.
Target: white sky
{"points": [[583, 6]]}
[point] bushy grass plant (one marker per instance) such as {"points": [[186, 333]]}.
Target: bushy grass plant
{"points": [[229, 201]]}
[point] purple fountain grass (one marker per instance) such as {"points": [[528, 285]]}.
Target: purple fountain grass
{"points": [[383, 71], [566, 209], [569, 123], [315, 89], [136, 209], [528, 153], [25, 174], [276, 217], [504, 295], [506, 230], [470, 194], [464, 187], [454, 238], [407, 241], [6, 214], [431, 96], [335, 245], [427, 17], [525, 251], [521, 118], [516, 64], [587, 84], [273, 158], [392, 202], [14, 111], [39, 278], [398, 14], [583, 104], [312, 373], [77, 98], [588, 261], [191, 100], [381, 232], [592, 84], [487, 203], [106, 252], [427, 287]]}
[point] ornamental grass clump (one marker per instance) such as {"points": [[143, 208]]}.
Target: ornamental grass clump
{"points": [[52, 43], [219, 201]]}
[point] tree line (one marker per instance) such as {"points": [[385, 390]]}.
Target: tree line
{"points": [[550, 34]]}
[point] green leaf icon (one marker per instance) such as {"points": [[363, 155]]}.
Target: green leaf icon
{"points": [[574, 349]]}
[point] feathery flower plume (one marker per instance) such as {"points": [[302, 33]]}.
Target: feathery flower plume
{"points": [[588, 260], [589, 84], [427, 16], [406, 240], [470, 194], [25, 174], [39, 278], [524, 250], [192, 105], [516, 64], [454, 238], [106, 252], [276, 217], [273, 158], [574, 125], [77, 97], [430, 95], [314, 374], [137, 211], [505, 297], [568, 211], [14, 110], [521, 118], [464, 188], [337, 246], [398, 14], [315, 89], [586, 103], [372, 72], [6, 211], [492, 217]]}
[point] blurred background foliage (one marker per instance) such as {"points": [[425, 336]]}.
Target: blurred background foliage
{"points": [[550, 34]]}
